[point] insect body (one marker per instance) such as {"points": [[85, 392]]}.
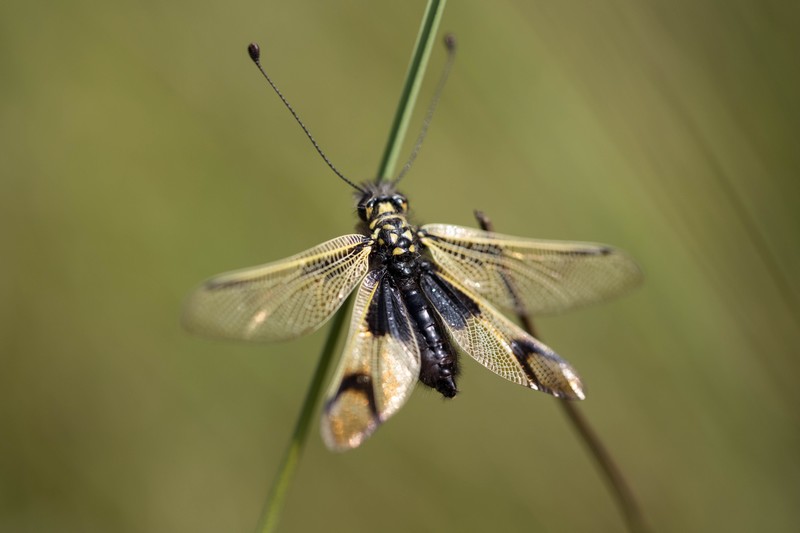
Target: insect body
{"points": [[423, 295], [401, 272]]}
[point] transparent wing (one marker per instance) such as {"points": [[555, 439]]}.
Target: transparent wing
{"points": [[378, 369], [279, 300], [533, 276], [496, 342]]}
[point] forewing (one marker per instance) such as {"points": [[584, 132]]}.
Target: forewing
{"points": [[526, 275], [279, 300], [379, 366], [496, 342]]}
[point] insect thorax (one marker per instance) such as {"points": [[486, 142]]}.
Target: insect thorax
{"points": [[384, 212]]}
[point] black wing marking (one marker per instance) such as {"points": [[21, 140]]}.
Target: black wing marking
{"points": [[280, 300], [379, 366], [533, 276], [496, 342]]}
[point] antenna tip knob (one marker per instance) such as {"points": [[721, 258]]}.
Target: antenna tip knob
{"points": [[255, 52], [450, 42]]}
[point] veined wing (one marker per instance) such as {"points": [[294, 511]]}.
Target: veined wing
{"points": [[378, 369], [279, 300], [527, 275], [496, 342]]}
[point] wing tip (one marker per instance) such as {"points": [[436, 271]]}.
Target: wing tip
{"points": [[338, 444], [574, 382]]}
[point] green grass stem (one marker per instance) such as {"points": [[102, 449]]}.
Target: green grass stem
{"points": [[419, 59], [408, 98]]}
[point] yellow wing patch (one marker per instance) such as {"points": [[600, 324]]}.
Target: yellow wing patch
{"points": [[376, 374]]}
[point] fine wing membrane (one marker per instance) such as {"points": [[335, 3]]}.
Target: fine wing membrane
{"points": [[497, 343], [379, 366], [279, 300], [527, 275]]}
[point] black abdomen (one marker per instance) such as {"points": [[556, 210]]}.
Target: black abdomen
{"points": [[438, 367]]}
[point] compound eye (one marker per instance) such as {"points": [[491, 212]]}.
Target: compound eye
{"points": [[400, 202], [365, 209]]}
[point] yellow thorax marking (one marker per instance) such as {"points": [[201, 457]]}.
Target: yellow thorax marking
{"points": [[386, 207], [383, 217]]}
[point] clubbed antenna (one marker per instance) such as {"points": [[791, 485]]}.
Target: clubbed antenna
{"points": [[255, 54]]}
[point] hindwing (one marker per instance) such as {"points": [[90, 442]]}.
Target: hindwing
{"points": [[497, 343], [279, 300], [378, 369], [527, 275]]}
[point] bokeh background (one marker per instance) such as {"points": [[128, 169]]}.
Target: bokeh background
{"points": [[141, 153]]}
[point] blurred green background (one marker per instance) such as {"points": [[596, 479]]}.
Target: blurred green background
{"points": [[142, 152]]}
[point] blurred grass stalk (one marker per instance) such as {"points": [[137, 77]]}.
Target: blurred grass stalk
{"points": [[615, 480], [416, 70]]}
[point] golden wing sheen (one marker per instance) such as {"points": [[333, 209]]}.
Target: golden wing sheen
{"points": [[533, 276], [378, 369], [279, 300], [497, 343]]}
